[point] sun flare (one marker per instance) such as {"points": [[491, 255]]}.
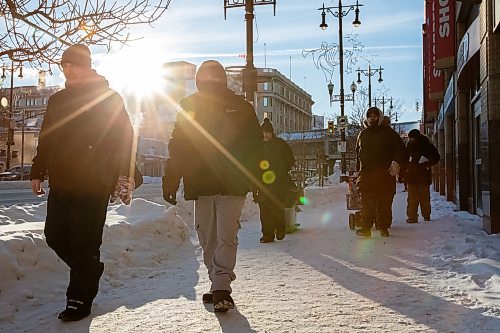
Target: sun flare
{"points": [[139, 72]]}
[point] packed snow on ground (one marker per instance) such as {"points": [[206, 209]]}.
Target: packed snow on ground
{"points": [[441, 276]]}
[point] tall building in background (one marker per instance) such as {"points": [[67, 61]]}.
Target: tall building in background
{"points": [[278, 98], [156, 115]]}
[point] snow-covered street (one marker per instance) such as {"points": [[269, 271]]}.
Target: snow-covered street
{"points": [[441, 276]]}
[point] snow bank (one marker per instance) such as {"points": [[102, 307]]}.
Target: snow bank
{"points": [[142, 235]]}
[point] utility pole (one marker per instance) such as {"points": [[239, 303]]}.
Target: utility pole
{"points": [[249, 72], [339, 12], [370, 72]]}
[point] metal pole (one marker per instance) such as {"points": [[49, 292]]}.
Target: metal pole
{"points": [[250, 72], [369, 85], [341, 64], [22, 146], [9, 118]]}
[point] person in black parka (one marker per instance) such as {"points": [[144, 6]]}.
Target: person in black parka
{"points": [[85, 146], [418, 175], [277, 160], [214, 149], [380, 153]]}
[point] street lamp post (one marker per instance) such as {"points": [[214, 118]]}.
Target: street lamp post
{"points": [[249, 72], [339, 12], [370, 72], [10, 131], [384, 101]]}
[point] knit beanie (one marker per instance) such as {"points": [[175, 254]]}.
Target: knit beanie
{"points": [[267, 126], [77, 54], [414, 133]]}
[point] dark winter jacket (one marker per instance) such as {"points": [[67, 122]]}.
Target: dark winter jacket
{"points": [[376, 147], [215, 145], [277, 160], [85, 142], [423, 155]]}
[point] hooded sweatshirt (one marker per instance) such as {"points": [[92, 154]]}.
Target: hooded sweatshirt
{"points": [[85, 141], [376, 147], [216, 141]]}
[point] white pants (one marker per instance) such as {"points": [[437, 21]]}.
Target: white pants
{"points": [[216, 220]]}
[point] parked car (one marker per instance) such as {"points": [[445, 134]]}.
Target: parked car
{"points": [[14, 173]]}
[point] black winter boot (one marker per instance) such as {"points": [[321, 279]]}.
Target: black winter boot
{"points": [[207, 298], [75, 310], [366, 233], [222, 301]]}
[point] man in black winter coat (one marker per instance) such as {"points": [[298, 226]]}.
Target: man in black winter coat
{"points": [[214, 149], [418, 175], [85, 147], [277, 160], [380, 153]]}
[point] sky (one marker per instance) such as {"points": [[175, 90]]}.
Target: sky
{"points": [[195, 30], [433, 277]]}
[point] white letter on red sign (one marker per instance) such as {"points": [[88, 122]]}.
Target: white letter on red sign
{"points": [[444, 19]]}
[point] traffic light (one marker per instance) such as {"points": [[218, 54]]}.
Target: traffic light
{"points": [[330, 127]]}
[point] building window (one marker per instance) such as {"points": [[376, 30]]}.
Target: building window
{"points": [[268, 115], [267, 101], [265, 86]]}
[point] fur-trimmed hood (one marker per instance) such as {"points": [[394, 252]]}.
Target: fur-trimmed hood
{"points": [[380, 116]]}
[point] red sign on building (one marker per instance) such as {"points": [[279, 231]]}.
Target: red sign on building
{"points": [[433, 77]]}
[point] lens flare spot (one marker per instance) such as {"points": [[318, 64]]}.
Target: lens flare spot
{"points": [[304, 200], [326, 218], [268, 177], [264, 164]]}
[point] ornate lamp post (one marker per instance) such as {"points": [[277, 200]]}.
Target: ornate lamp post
{"points": [[370, 72], [383, 101], [249, 72], [10, 131], [339, 12]]}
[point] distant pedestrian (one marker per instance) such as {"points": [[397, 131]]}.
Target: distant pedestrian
{"points": [[277, 160], [214, 149], [85, 145], [381, 152], [423, 155]]}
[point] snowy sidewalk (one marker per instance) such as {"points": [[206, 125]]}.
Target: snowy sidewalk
{"points": [[442, 276]]}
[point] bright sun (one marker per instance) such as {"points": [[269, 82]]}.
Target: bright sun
{"points": [[140, 72]]}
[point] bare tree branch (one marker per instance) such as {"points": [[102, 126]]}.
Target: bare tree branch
{"points": [[37, 31]]}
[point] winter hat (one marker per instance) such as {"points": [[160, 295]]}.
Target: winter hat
{"points": [[77, 54], [211, 75], [377, 111], [267, 126], [414, 133]]}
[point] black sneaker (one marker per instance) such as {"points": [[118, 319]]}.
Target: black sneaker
{"points": [[367, 233], [222, 301], [411, 220], [266, 239], [207, 298], [384, 232], [280, 235], [75, 310]]}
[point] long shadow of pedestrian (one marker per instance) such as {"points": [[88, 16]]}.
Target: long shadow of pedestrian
{"points": [[368, 272], [234, 322]]}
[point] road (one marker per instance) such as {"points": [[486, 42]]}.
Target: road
{"points": [[19, 193]]}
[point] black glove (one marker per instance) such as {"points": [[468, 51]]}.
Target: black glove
{"points": [[170, 197], [256, 198]]}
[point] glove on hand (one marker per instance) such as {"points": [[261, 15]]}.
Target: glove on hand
{"points": [[256, 197], [123, 190], [394, 169], [170, 197]]}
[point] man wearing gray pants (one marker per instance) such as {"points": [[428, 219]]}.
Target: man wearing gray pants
{"points": [[214, 149]]}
